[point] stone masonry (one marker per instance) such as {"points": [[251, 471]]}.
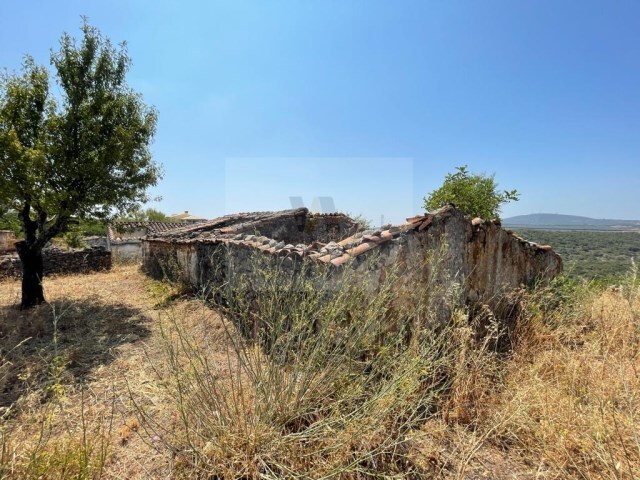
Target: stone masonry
{"points": [[124, 239], [485, 259], [58, 261]]}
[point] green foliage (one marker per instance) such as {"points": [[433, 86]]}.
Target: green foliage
{"points": [[73, 238], [90, 227], [9, 221], [363, 222], [83, 228], [150, 215], [156, 215], [601, 256], [82, 155], [477, 195]]}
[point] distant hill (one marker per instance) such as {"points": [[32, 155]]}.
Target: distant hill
{"points": [[554, 221]]}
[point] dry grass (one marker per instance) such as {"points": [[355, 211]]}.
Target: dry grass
{"points": [[570, 398], [563, 404], [68, 370], [88, 389], [327, 385]]}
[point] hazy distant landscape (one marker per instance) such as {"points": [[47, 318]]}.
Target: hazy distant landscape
{"points": [[591, 248], [602, 255], [554, 221]]}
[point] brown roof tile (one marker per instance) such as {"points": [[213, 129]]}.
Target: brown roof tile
{"points": [[341, 260], [117, 229], [416, 219], [426, 223], [362, 248]]}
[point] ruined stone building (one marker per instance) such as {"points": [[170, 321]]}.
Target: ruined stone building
{"points": [[124, 239], [486, 259]]}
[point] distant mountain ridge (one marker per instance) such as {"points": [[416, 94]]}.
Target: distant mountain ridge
{"points": [[570, 222]]}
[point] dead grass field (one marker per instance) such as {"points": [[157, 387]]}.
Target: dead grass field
{"points": [[86, 367], [83, 394]]}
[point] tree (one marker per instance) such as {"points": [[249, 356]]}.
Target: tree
{"points": [[150, 215], [154, 215], [476, 195], [81, 155]]}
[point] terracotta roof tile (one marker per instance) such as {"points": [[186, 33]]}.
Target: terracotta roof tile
{"points": [[341, 260], [426, 223], [362, 248], [386, 236], [237, 222], [118, 229], [416, 219]]}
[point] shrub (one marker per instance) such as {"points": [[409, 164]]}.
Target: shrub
{"points": [[74, 239], [476, 195]]}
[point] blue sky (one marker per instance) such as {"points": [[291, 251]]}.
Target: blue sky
{"points": [[373, 102]]}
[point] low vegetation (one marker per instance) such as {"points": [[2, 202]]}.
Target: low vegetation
{"points": [[603, 256], [122, 377]]}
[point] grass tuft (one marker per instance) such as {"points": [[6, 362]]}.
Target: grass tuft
{"points": [[122, 377]]}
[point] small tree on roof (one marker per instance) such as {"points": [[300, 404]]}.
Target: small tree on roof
{"points": [[476, 195], [82, 155]]}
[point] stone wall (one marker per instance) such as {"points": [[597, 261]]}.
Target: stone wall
{"points": [[124, 239], [10, 266], [57, 261], [486, 260], [95, 241], [126, 251], [7, 240]]}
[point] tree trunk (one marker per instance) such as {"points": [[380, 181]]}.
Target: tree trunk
{"points": [[32, 270]]}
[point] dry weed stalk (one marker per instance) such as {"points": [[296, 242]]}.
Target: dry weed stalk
{"points": [[331, 383], [328, 380]]}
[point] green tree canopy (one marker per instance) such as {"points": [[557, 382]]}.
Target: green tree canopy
{"points": [[476, 195], [82, 154], [150, 215]]}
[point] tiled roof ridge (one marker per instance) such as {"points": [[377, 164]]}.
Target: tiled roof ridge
{"points": [[236, 219], [122, 226], [339, 253], [332, 214], [144, 222]]}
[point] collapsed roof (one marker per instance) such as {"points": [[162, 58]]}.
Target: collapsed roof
{"points": [[328, 238], [136, 230]]}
